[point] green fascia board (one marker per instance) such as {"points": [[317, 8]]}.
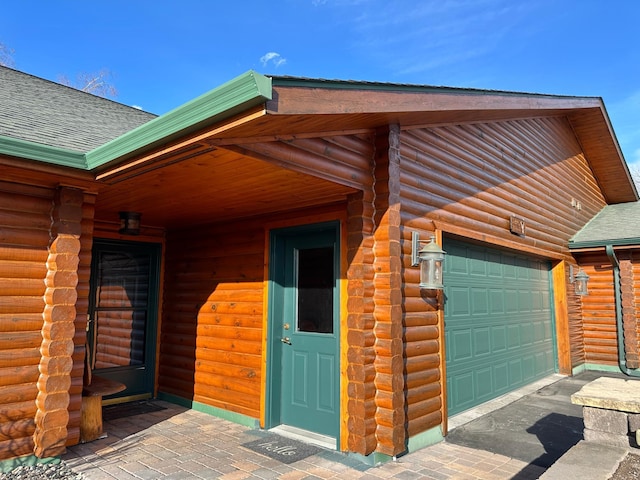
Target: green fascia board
{"points": [[623, 242], [245, 91], [406, 87], [42, 153]]}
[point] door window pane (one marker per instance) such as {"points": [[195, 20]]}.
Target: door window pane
{"points": [[121, 309], [315, 284]]}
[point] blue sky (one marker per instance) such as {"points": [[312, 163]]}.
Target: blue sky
{"points": [[164, 53]]}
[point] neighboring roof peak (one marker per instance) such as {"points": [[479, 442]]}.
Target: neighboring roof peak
{"points": [[49, 113]]}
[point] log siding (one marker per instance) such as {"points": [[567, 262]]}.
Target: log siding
{"points": [[468, 180], [387, 284], [361, 390], [599, 308], [598, 311], [58, 332], [25, 218], [82, 309], [211, 337]]}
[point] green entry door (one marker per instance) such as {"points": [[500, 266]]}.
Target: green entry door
{"points": [[498, 323], [305, 360], [123, 314]]}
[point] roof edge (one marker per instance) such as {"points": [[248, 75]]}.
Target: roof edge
{"points": [[42, 153], [622, 242], [291, 81], [245, 91]]}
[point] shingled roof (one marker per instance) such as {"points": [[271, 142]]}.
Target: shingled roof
{"points": [[47, 113], [615, 225]]}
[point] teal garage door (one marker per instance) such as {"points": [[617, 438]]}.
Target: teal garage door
{"points": [[498, 323]]}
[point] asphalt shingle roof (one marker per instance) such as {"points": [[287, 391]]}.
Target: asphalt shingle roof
{"points": [[615, 224], [45, 112]]}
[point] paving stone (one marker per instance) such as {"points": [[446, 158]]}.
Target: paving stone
{"points": [[610, 393], [587, 461], [634, 422], [604, 438], [610, 421]]}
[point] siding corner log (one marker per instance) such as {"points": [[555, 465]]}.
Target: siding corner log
{"points": [[52, 415], [389, 361]]}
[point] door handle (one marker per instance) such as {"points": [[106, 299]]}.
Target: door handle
{"points": [[286, 340]]}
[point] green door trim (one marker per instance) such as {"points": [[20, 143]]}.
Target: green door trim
{"points": [[154, 250], [275, 311]]}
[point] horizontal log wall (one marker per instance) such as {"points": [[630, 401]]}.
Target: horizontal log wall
{"points": [[212, 321], [598, 311], [472, 178], [25, 218]]}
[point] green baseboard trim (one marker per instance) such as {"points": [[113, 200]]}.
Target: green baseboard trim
{"points": [[425, 439], [578, 369], [596, 367], [209, 410], [28, 460], [417, 442], [373, 459]]}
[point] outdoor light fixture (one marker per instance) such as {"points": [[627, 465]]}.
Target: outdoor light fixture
{"points": [[430, 258], [579, 281], [129, 223]]}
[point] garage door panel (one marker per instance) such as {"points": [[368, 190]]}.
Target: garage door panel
{"points": [[481, 341], [484, 382], [515, 371], [513, 335], [479, 301], [528, 333], [496, 301], [498, 323], [499, 338], [461, 345], [459, 304]]}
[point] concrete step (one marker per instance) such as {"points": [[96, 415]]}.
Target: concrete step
{"points": [[587, 461]]}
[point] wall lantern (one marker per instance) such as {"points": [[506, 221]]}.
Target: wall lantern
{"points": [[129, 223], [579, 281], [430, 258]]}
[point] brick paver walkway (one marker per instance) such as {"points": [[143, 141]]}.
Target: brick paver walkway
{"points": [[176, 443]]}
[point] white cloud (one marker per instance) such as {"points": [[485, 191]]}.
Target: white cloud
{"points": [[274, 58]]}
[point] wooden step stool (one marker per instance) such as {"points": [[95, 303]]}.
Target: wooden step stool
{"points": [[91, 420]]}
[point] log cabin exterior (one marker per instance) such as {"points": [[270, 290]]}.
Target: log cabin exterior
{"points": [[608, 250], [270, 281]]}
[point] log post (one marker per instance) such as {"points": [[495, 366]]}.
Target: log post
{"points": [[391, 428], [52, 415]]}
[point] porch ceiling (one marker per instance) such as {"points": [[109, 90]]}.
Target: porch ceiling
{"points": [[207, 184]]}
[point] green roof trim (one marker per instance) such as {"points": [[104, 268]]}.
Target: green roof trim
{"points": [[42, 153], [624, 242], [245, 91], [285, 81]]}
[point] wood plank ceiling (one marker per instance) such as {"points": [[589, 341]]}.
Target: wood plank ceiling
{"points": [[212, 186]]}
